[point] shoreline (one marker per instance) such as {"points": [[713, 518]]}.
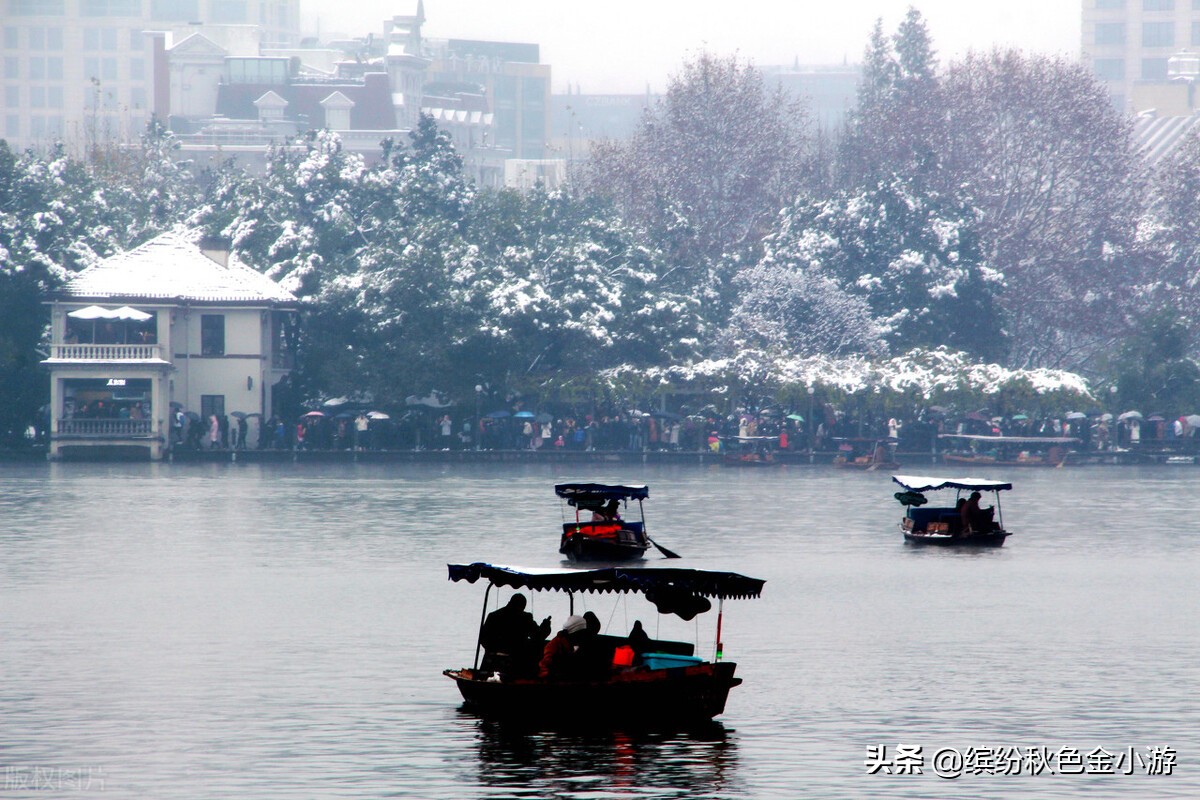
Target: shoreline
{"points": [[824, 459]]}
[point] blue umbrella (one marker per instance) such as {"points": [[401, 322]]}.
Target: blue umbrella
{"points": [[498, 414], [524, 414]]}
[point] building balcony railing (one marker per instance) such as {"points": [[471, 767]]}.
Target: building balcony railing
{"points": [[106, 428], [106, 352]]}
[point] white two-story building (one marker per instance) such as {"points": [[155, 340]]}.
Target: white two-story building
{"points": [[170, 325]]}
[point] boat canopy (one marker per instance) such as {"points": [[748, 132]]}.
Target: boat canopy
{"points": [[590, 495], [923, 483], [974, 437], [646, 580]]}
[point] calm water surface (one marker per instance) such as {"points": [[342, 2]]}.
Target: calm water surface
{"points": [[279, 631]]}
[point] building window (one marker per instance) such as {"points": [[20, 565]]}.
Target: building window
{"points": [[137, 69], [1158, 5], [12, 96], [137, 97], [211, 405], [54, 68], [110, 8], [12, 68], [54, 97], [1195, 33], [54, 39], [37, 97], [1158, 34], [12, 125], [1154, 69], [1110, 33], [37, 38], [1105, 4], [91, 38], [36, 8], [212, 334], [178, 10], [37, 69], [11, 38], [227, 11]]}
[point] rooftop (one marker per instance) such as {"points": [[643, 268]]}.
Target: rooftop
{"points": [[172, 267]]}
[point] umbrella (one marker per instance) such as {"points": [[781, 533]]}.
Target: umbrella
{"points": [[497, 414], [1106, 417], [343, 415], [238, 414], [524, 415], [377, 415], [176, 404], [1019, 417], [1130, 415], [1193, 420], [192, 415], [795, 417], [314, 414], [544, 417], [125, 312], [1076, 415], [91, 312]]}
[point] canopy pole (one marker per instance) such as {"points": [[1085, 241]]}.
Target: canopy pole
{"points": [[571, 601], [482, 618], [720, 616], [999, 513]]}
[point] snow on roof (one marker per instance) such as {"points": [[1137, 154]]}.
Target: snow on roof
{"points": [[171, 266]]}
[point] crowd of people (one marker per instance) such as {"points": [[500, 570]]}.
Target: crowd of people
{"points": [[778, 430]]}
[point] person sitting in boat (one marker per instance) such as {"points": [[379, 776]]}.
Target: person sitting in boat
{"points": [[511, 639], [593, 658], [610, 512], [974, 518], [639, 640], [559, 661]]}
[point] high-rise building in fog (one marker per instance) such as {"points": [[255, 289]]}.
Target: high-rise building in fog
{"points": [[82, 70]]}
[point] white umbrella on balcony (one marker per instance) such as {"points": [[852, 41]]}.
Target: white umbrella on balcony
{"points": [[91, 312], [132, 314]]}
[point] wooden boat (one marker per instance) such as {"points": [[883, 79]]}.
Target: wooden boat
{"points": [[878, 457], [600, 534], [670, 687], [749, 451], [1010, 451], [942, 525]]}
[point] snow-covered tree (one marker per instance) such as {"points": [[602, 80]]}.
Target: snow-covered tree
{"points": [[563, 287], [708, 167], [912, 255], [1034, 143], [895, 127]]}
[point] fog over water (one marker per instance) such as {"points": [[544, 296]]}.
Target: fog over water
{"points": [[184, 631]]}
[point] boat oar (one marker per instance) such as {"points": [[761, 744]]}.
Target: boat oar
{"points": [[663, 550]]}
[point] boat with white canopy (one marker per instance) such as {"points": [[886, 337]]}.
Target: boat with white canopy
{"points": [[963, 523]]}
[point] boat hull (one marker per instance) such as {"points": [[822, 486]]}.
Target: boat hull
{"points": [[990, 539], [580, 547], [638, 697]]}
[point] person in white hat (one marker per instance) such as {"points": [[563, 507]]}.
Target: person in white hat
{"points": [[558, 659]]}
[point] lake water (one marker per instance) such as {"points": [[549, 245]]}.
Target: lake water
{"points": [[279, 631]]}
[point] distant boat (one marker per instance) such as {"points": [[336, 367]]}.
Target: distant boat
{"points": [[670, 687], [943, 525], [598, 532], [1011, 451]]}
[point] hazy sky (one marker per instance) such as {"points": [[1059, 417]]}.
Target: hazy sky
{"points": [[623, 45]]}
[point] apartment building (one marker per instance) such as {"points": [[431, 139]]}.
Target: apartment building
{"points": [[82, 70], [1139, 47]]}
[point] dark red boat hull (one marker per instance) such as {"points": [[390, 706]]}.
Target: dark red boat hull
{"points": [[662, 697]]}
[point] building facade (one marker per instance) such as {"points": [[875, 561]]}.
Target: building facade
{"points": [[1130, 44], [166, 328], [82, 70]]}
